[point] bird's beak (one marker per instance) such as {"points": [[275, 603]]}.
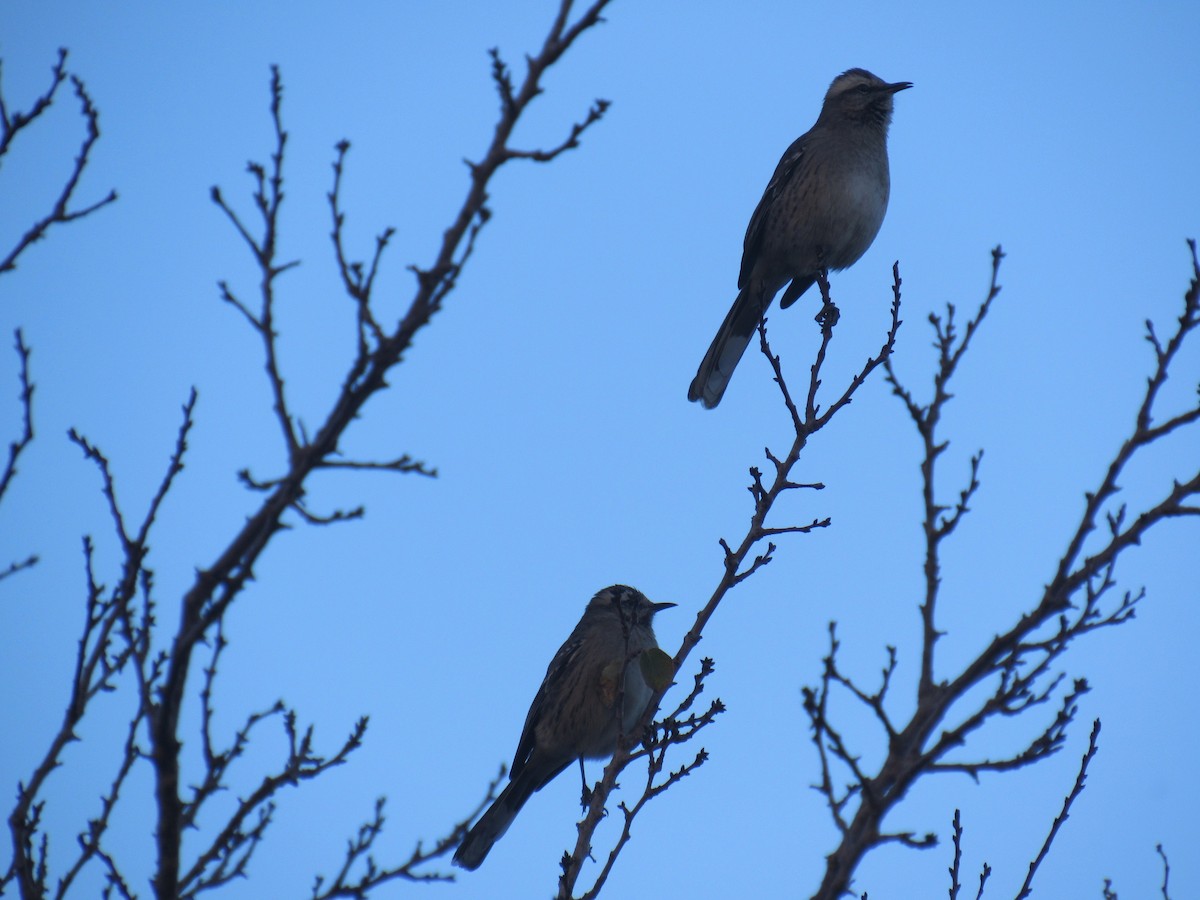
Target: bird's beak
{"points": [[897, 87], [659, 607]]}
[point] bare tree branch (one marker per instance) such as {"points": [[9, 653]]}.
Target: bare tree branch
{"points": [[17, 447], [12, 123], [268, 197], [957, 841], [672, 730], [120, 620], [737, 566], [984, 873], [358, 855], [1166, 871], [1027, 885], [926, 418], [1018, 663]]}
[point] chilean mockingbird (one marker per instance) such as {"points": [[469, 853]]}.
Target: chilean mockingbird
{"points": [[593, 692], [821, 210]]}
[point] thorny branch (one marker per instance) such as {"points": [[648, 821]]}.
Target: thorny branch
{"points": [[13, 122]]}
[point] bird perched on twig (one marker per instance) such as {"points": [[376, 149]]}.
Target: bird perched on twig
{"points": [[820, 211], [594, 692]]}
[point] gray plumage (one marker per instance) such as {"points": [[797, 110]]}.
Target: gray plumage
{"points": [[821, 210], [584, 703]]}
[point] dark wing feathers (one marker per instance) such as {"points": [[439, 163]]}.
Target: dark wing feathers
{"points": [[788, 164], [554, 673]]}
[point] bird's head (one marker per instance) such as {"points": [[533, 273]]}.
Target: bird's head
{"points": [[858, 96], [631, 604]]}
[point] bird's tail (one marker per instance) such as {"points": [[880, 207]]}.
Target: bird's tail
{"points": [[493, 823], [727, 347]]}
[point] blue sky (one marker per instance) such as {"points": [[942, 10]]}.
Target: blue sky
{"points": [[550, 395]]}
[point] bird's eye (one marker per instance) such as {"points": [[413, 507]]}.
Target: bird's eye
{"points": [[864, 89]]}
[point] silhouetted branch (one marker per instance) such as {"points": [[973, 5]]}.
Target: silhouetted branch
{"points": [[90, 841], [739, 563], [927, 417], [358, 283], [111, 637], [16, 447], [377, 351], [118, 633], [13, 122], [1018, 663], [338, 515], [231, 849], [97, 664], [25, 396], [1166, 870], [358, 854], [956, 839], [17, 566], [1027, 885], [267, 198], [403, 464], [594, 115], [672, 730]]}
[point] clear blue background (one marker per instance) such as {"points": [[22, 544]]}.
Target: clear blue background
{"points": [[550, 396]]}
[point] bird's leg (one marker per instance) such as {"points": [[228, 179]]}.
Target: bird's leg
{"points": [[586, 798], [827, 316]]}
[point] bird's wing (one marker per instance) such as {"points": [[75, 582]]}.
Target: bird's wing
{"points": [[555, 672], [784, 172]]}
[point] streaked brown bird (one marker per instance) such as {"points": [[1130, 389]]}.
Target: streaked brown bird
{"points": [[594, 691], [820, 211]]}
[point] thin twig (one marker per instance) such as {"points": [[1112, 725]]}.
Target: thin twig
{"points": [[1076, 790], [12, 123], [17, 446]]}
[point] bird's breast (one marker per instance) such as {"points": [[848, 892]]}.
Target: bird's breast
{"points": [[829, 214], [857, 202]]}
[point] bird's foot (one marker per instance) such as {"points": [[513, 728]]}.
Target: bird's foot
{"points": [[828, 316]]}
